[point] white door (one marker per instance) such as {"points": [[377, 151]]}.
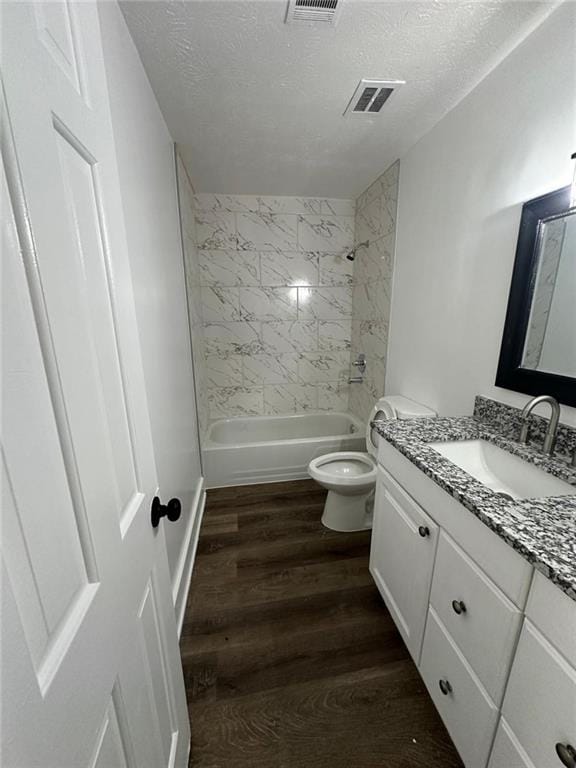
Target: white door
{"points": [[91, 674]]}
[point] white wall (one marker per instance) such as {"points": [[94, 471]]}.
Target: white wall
{"points": [[147, 178], [461, 192]]}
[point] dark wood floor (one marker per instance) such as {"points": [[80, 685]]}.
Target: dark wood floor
{"points": [[291, 659]]}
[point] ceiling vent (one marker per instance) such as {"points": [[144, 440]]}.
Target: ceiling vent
{"points": [[324, 12], [370, 96]]}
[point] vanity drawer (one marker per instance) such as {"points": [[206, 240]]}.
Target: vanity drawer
{"points": [[468, 712], [478, 616], [540, 702]]}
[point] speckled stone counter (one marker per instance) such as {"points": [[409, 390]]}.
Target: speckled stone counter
{"points": [[543, 531]]}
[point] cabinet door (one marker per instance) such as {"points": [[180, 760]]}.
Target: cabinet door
{"points": [[540, 701], [402, 555]]}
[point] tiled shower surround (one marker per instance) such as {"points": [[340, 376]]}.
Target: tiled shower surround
{"points": [[276, 302], [278, 313], [372, 286]]}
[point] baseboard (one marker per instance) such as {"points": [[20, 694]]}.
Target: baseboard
{"points": [[259, 478], [181, 581]]}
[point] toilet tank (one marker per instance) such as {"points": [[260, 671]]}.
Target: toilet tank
{"points": [[393, 407], [405, 408]]}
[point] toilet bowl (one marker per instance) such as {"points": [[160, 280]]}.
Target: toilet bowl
{"points": [[350, 476]]}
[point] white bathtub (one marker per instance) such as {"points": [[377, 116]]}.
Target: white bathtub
{"points": [[262, 449]]}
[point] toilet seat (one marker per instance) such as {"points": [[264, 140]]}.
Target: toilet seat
{"points": [[345, 468]]}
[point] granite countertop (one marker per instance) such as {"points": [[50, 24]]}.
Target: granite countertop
{"points": [[543, 531]]}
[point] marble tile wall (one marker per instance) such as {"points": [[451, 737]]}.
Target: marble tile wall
{"points": [[276, 292], [375, 221], [194, 291]]}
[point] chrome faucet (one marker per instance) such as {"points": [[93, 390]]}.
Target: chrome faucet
{"points": [[360, 364], [550, 439]]}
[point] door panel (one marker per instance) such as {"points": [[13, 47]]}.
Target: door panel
{"points": [[48, 557], [84, 207], [113, 743], [90, 679], [56, 31], [48, 554]]}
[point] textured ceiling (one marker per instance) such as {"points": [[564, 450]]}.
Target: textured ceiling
{"points": [[256, 105]]}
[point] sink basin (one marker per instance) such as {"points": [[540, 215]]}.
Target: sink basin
{"points": [[502, 471]]}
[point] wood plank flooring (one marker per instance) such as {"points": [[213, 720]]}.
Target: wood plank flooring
{"points": [[290, 657]]}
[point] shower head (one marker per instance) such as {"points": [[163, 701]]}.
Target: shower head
{"points": [[352, 254]]}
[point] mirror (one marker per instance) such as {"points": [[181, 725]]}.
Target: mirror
{"points": [[538, 354], [551, 335]]}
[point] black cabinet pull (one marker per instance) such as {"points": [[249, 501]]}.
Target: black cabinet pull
{"points": [[445, 687], [459, 607], [567, 754], [424, 531], [171, 510]]}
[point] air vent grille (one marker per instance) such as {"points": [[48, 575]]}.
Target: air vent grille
{"points": [[370, 96], [364, 101], [322, 11], [382, 97]]}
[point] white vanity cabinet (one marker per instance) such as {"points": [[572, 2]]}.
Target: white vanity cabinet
{"points": [[495, 646], [402, 555]]}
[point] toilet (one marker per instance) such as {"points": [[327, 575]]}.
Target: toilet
{"points": [[350, 476]]}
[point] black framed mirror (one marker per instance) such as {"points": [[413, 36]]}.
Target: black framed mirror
{"points": [[538, 352]]}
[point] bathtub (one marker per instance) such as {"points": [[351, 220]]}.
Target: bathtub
{"points": [[263, 449]]}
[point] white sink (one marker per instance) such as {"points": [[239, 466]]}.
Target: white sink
{"points": [[502, 471]]}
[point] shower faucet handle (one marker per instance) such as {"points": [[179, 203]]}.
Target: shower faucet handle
{"points": [[360, 362]]}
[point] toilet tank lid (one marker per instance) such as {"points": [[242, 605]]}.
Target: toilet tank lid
{"points": [[408, 409]]}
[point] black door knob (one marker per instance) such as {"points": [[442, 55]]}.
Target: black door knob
{"points": [[567, 754], [445, 687], [459, 607], [171, 510], [424, 531]]}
